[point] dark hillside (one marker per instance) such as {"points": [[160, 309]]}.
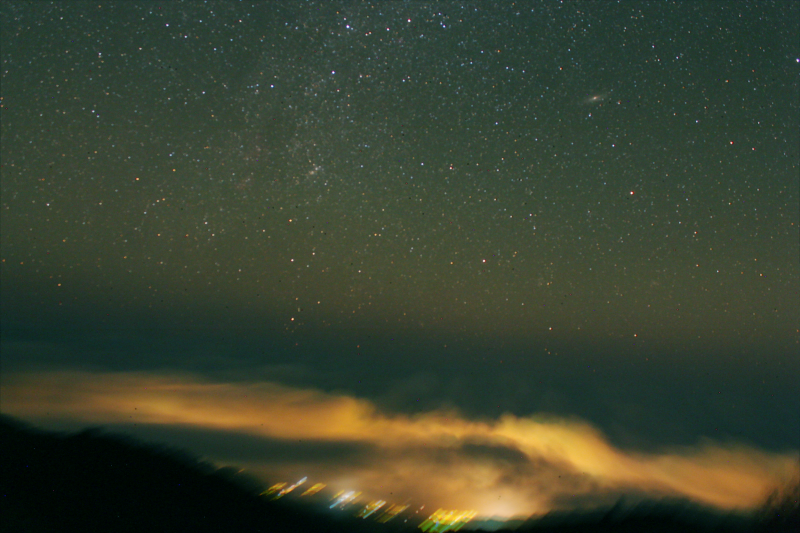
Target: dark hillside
{"points": [[91, 481]]}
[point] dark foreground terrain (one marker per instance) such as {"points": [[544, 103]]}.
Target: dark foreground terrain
{"points": [[93, 481]]}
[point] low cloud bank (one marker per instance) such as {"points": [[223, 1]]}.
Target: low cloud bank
{"points": [[506, 466]]}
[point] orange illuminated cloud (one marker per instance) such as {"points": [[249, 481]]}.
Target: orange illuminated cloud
{"points": [[505, 466]]}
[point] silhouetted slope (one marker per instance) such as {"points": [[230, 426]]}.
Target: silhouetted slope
{"points": [[677, 516], [781, 513], [661, 516], [94, 482]]}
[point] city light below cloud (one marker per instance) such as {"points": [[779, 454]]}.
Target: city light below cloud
{"points": [[507, 466]]}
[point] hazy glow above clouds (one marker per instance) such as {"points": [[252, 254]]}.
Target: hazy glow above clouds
{"points": [[505, 466]]}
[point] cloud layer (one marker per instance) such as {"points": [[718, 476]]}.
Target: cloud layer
{"points": [[505, 466]]}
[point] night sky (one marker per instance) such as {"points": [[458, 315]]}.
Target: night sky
{"points": [[471, 243]]}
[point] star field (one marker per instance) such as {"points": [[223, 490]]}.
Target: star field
{"points": [[586, 208]]}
